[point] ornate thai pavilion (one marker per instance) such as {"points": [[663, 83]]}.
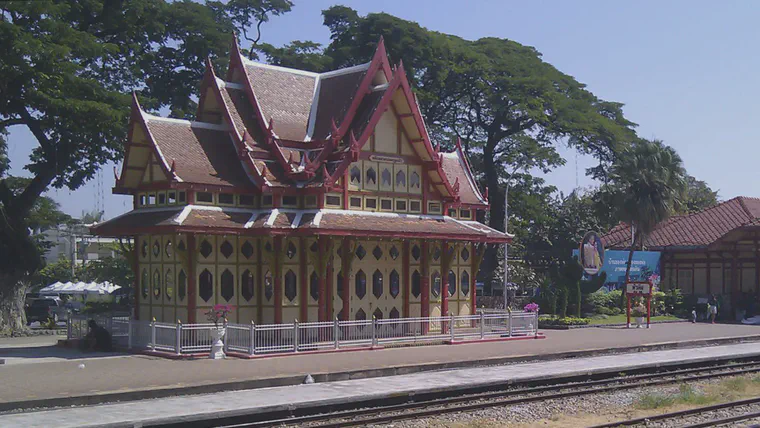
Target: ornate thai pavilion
{"points": [[300, 195]]}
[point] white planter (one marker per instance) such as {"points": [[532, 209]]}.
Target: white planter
{"points": [[217, 346], [639, 322]]}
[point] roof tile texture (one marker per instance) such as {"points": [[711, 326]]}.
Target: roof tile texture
{"points": [[699, 229]]}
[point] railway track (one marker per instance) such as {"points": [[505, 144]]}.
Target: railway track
{"points": [[410, 407], [698, 417]]}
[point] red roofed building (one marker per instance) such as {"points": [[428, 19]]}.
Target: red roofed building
{"points": [[715, 251], [300, 195]]}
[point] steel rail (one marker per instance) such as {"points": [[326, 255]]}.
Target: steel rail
{"points": [[426, 408], [693, 412]]}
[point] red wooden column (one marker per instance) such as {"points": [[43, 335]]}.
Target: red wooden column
{"points": [[304, 286], [277, 280], [192, 290], [425, 285], [445, 267], [136, 270], [406, 280]]}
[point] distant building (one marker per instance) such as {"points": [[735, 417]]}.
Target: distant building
{"points": [[715, 251], [77, 243]]}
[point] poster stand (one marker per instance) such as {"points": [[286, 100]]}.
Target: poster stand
{"points": [[634, 289]]}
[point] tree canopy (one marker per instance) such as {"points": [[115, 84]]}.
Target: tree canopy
{"points": [[511, 108], [66, 71]]}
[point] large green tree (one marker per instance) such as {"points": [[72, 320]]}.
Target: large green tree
{"points": [[66, 71], [699, 196], [511, 108], [649, 183]]}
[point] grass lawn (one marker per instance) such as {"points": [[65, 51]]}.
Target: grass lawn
{"points": [[621, 319]]}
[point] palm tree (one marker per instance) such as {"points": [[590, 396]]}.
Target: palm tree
{"points": [[649, 181]]}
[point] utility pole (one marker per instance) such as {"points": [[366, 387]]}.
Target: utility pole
{"points": [[506, 245]]}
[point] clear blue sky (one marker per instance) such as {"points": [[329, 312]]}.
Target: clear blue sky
{"points": [[687, 72]]}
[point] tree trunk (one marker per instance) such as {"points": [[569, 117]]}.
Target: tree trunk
{"points": [[12, 293], [564, 298], [496, 221], [628, 267], [578, 299]]}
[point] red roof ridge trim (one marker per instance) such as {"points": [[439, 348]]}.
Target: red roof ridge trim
{"points": [[144, 117], [378, 62], [238, 141]]}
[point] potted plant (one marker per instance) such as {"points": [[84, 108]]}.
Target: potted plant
{"points": [[218, 316], [639, 312]]}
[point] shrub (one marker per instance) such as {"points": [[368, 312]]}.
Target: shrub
{"points": [[602, 302], [567, 321]]}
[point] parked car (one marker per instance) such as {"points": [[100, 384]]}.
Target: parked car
{"points": [[44, 309]]}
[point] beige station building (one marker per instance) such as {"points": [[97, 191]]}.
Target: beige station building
{"points": [[300, 195]]}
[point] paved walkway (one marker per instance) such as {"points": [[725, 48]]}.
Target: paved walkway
{"points": [[218, 405], [65, 378]]}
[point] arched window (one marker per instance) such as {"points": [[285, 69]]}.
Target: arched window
{"points": [[226, 249], [291, 288], [156, 284], [156, 249], [361, 315], [206, 285], [169, 283], [168, 249], [464, 283], [377, 283], [385, 176], [416, 283], [228, 285], [356, 175], [465, 254], [371, 176], [247, 285], [400, 179], [360, 284], [145, 285], [416, 252], [144, 249], [181, 285], [452, 283], [206, 249], [435, 284], [395, 284], [291, 251], [414, 181], [314, 285], [247, 250], [268, 286]]}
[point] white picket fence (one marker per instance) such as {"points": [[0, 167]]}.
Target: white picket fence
{"points": [[254, 339]]}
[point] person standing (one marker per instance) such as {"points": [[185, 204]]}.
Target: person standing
{"points": [[713, 308]]}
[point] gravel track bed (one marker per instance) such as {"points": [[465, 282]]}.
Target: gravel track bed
{"points": [[707, 417], [528, 413]]}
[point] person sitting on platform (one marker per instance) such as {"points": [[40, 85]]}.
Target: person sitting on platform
{"points": [[97, 339]]}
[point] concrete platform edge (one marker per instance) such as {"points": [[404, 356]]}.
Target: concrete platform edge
{"points": [[143, 394]]}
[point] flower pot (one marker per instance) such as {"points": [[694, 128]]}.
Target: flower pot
{"points": [[217, 346], [639, 322]]}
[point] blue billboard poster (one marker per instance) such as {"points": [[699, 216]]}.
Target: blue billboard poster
{"points": [[645, 266]]}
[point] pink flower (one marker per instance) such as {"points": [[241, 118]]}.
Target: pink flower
{"points": [[531, 307]]}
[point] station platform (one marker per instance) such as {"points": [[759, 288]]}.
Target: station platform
{"points": [[63, 381], [185, 409]]}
